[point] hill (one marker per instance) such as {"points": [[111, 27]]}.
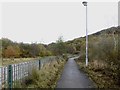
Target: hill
{"points": [[103, 57]]}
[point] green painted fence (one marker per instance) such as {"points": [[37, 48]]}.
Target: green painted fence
{"points": [[13, 74]]}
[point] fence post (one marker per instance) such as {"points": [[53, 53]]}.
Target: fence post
{"points": [[39, 64], [10, 76]]}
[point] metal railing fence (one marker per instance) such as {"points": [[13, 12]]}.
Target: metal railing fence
{"points": [[10, 75]]}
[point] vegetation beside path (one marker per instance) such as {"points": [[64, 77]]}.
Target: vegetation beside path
{"points": [[103, 54], [103, 58], [47, 77], [103, 78]]}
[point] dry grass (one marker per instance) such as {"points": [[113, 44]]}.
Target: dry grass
{"points": [[0, 62], [104, 60], [97, 65], [47, 77], [100, 73], [7, 61]]}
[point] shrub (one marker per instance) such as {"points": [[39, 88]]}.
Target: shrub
{"points": [[104, 59], [46, 77]]}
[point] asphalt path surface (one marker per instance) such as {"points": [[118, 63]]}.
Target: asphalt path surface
{"points": [[72, 77]]}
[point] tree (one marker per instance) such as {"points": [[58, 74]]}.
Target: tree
{"points": [[43, 51], [9, 52], [25, 50], [6, 42], [12, 51], [60, 46], [17, 51], [34, 50], [0, 48], [71, 48]]}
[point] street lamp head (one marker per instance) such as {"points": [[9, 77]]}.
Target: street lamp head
{"points": [[84, 3]]}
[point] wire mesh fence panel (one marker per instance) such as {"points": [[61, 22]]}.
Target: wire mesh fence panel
{"points": [[16, 72], [24, 69], [20, 71], [12, 75], [6, 76], [3, 77]]}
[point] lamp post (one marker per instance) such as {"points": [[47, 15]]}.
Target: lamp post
{"points": [[85, 4]]}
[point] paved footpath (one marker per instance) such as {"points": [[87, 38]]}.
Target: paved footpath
{"points": [[72, 77]]}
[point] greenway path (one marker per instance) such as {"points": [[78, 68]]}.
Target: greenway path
{"points": [[72, 77]]}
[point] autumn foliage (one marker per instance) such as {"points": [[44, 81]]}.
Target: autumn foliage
{"points": [[12, 49]]}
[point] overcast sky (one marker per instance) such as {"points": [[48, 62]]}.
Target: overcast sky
{"points": [[45, 21]]}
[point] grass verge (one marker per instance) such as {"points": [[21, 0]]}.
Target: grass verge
{"points": [[7, 61], [47, 77], [100, 73]]}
